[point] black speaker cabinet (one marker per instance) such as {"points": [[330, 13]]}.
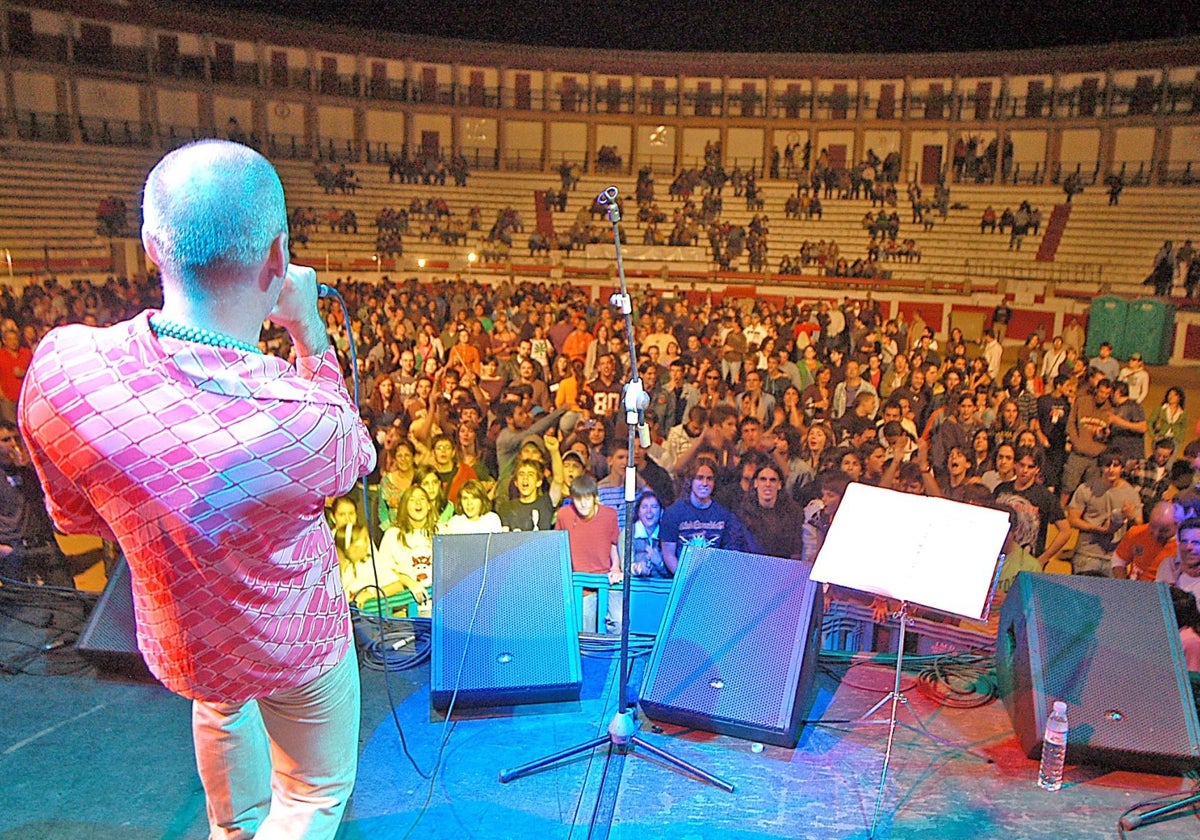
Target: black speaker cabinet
{"points": [[1110, 650], [505, 630], [109, 639], [737, 649]]}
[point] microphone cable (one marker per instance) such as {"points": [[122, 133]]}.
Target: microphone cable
{"points": [[380, 646]]}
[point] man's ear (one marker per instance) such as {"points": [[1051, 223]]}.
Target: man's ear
{"points": [[151, 248], [275, 266]]}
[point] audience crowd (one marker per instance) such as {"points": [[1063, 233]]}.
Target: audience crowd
{"points": [[501, 407]]}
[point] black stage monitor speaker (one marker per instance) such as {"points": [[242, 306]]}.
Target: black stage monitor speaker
{"points": [[109, 640], [737, 649], [1110, 650], [505, 630]]}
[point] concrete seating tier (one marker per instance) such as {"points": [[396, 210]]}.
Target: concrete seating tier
{"points": [[49, 195]]}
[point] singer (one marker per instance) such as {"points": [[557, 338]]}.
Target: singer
{"points": [[209, 464]]}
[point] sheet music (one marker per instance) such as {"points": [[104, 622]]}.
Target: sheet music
{"points": [[932, 552]]}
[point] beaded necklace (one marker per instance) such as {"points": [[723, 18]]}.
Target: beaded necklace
{"points": [[199, 335]]}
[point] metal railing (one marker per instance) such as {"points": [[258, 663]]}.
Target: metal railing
{"points": [[102, 131], [39, 126], [1058, 272]]}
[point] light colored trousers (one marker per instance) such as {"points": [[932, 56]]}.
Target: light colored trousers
{"points": [[613, 618], [281, 767]]}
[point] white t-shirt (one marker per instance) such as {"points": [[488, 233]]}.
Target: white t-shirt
{"points": [[489, 523]]}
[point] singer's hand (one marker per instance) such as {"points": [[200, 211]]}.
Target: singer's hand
{"points": [[296, 311]]}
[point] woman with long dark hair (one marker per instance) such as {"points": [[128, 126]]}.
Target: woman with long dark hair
{"points": [[647, 545], [1169, 420], [817, 398]]}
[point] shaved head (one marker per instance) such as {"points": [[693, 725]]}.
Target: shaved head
{"points": [[210, 209]]}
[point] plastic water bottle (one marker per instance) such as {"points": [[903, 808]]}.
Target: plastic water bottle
{"points": [[1054, 748]]}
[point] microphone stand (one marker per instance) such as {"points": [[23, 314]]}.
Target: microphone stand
{"points": [[623, 726], [1132, 821]]}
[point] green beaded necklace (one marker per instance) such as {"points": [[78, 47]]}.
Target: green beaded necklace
{"points": [[199, 335]]}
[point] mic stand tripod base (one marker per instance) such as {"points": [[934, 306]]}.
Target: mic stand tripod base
{"points": [[620, 736]]}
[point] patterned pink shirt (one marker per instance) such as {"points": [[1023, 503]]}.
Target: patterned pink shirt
{"points": [[210, 467]]}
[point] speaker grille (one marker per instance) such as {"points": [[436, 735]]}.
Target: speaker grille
{"points": [[524, 646], [109, 640], [737, 646], [1110, 650]]}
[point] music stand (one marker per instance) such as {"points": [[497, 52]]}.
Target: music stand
{"points": [[940, 554]]}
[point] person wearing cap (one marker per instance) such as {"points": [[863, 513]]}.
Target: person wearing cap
{"points": [[573, 466], [1137, 376]]}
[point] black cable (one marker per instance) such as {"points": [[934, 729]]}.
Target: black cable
{"points": [[59, 611], [11, 586], [958, 680], [382, 644], [447, 729], [381, 602]]}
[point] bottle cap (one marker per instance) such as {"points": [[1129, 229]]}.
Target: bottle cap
{"points": [[1060, 707]]}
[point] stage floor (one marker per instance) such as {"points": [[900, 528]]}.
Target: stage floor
{"points": [[95, 757]]}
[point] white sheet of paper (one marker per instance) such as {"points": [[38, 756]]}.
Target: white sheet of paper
{"points": [[933, 552]]}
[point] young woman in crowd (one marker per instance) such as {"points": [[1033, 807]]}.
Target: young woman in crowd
{"points": [[977, 373], [818, 397], [385, 401], [570, 391], [469, 450], [1013, 388], [435, 491], [596, 349], [406, 550], [397, 476], [647, 546], [1034, 383], [851, 463], [714, 390], [793, 411], [1008, 423], [475, 514], [809, 362], [1168, 420], [981, 453], [819, 438]]}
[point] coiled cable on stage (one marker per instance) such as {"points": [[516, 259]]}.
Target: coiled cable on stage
{"points": [[959, 680]]}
